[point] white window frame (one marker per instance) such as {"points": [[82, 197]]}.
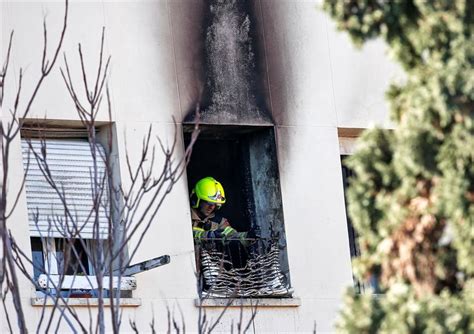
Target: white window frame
{"points": [[50, 256], [74, 282], [52, 277]]}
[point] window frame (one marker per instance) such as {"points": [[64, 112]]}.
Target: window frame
{"points": [[50, 268], [347, 139]]}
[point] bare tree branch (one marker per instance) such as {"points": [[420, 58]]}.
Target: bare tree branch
{"points": [[3, 72], [7, 135]]}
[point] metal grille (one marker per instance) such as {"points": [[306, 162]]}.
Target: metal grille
{"points": [[72, 169], [260, 277]]}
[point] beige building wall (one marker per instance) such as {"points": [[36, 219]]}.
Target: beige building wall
{"points": [[315, 82]]}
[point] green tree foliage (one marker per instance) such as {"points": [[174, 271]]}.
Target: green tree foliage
{"points": [[412, 201]]}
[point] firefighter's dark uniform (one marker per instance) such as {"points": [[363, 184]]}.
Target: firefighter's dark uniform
{"points": [[213, 226], [215, 233]]}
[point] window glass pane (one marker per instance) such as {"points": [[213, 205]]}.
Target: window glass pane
{"points": [[71, 257], [37, 257]]}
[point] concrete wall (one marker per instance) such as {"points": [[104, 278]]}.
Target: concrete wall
{"points": [[315, 83]]}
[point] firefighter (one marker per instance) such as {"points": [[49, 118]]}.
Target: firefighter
{"points": [[207, 198]]}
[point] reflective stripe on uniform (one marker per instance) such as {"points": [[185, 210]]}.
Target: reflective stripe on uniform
{"points": [[198, 232], [228, 231]]}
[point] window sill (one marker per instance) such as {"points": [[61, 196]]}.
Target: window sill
{"points": [[93, 302], [248, 302]]}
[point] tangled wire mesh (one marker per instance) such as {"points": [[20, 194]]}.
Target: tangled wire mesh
{"points": [[261, 276]]}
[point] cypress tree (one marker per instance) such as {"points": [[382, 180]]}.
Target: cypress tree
{"points": [[412, 200]]}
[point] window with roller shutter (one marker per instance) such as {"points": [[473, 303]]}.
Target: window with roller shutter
{"points": [[66, 188], [68, 201]]}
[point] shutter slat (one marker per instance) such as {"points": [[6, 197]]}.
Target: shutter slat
{"points": [[78, 188]]}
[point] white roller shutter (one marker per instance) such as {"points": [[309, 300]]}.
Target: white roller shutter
{"points": [[72, 169]]}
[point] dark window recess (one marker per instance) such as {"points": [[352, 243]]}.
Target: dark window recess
{"points": [[244, 160], [359, 286], [72, 257], [222, 159], [37, 257], [347, 173]]}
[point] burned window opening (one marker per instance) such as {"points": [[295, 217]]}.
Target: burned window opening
{"points": [[244, 160]]}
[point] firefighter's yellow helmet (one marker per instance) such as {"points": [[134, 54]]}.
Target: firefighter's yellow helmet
{"points": [[209, 190]]}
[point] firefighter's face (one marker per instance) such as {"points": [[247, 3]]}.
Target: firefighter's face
{"points": [[207, 208]]}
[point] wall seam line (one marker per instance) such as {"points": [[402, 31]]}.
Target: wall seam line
{"points": [[331, 71]]}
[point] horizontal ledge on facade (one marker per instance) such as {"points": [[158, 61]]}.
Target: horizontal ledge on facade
{"points": [[85, 302], [248, 302]]}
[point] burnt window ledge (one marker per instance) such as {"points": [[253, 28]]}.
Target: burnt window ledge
{"points": [[248, 302], [85, 302]]}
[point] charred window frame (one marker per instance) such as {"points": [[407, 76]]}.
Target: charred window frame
{"points": [[244, 160]]}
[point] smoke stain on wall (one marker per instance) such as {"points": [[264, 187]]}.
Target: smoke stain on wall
{"points": [[232, 93]]}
